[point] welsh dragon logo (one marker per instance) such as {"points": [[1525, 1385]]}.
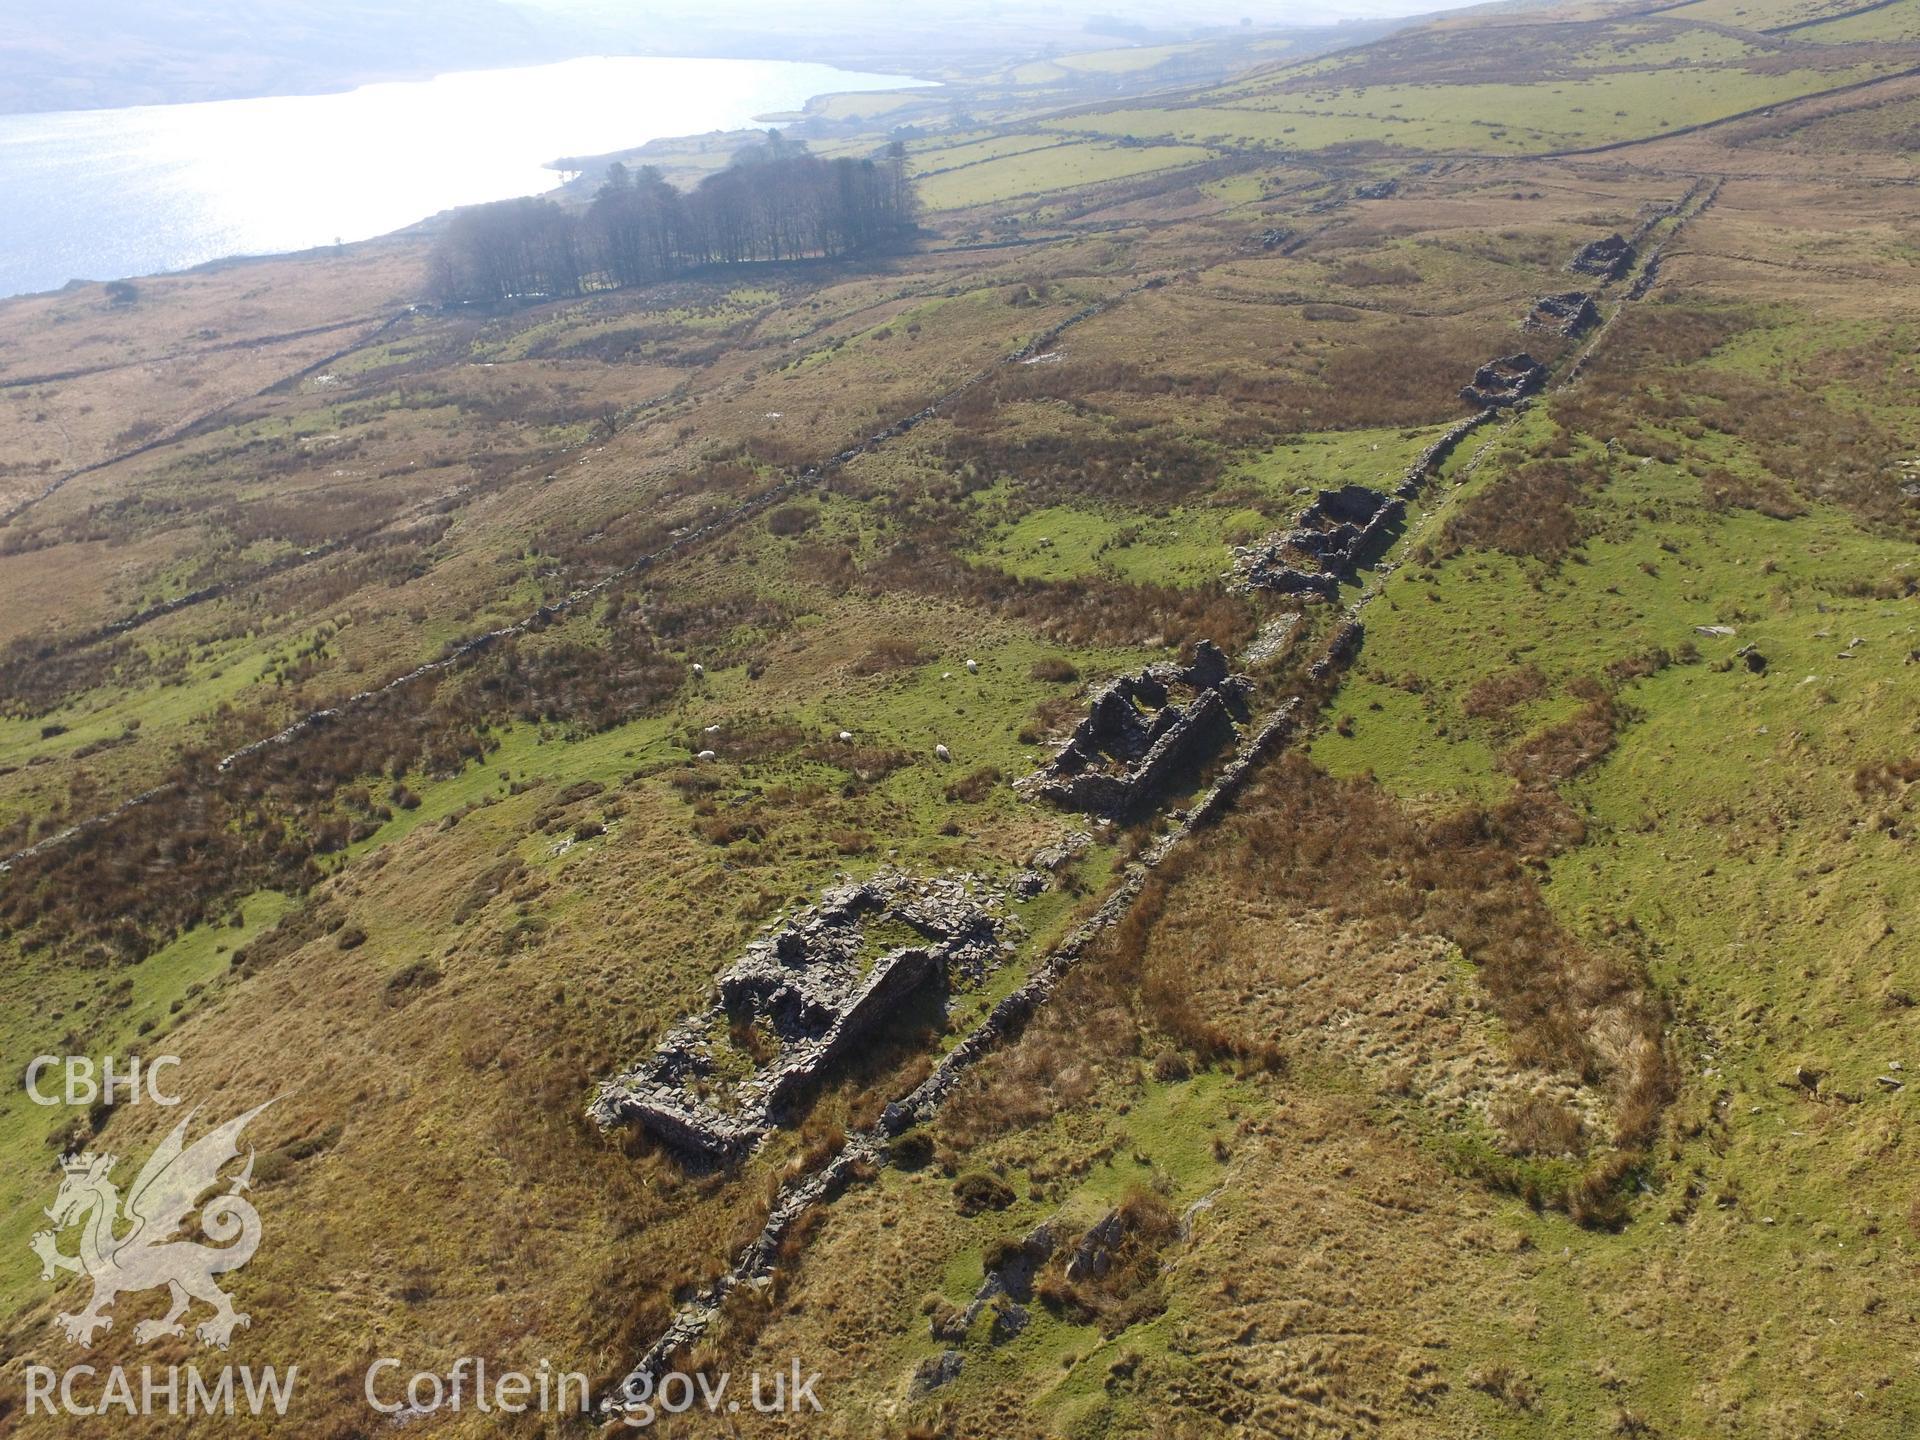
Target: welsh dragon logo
{"points": [[147, 1255]]}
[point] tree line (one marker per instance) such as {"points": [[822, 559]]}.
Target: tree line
{"points": [[775, 201]]}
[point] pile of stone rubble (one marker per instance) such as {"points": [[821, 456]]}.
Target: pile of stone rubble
{"points": [[1609, 257]]}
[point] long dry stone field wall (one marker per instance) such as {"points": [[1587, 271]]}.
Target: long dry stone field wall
{"points": [[865, 1152]]}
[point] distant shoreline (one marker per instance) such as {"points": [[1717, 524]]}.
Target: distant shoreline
{"points": [[64, 236], [427, 74]]}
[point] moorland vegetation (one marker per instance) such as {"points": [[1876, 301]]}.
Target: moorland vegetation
{"points": [[412, 710]]}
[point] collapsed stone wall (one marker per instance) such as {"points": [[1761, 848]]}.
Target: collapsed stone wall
{"points": [[1137, 735], [1328, 541], [1612, 256], [1281, 238], [1342, 645], [814, 991], [1340, 530], [924, 1101], [1505, 381], [865, 1151], [1608, 257], [1570, 314]]}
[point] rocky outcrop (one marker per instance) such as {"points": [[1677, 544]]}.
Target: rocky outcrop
{"points": [[809, 993], [938, 1370], [1141, 732], [1609, 257], [1571, 314], [1093, 1256], [1505, 381], [1005, 1293]]}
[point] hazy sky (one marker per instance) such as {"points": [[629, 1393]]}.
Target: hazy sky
{"points": [[876, 13], [85, 54]]}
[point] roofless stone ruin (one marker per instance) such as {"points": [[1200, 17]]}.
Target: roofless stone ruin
{"points": [[1141, 731], [802, 998]]}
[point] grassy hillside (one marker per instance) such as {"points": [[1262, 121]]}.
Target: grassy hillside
{"points": [[1508, 89], [1520, 1043]]}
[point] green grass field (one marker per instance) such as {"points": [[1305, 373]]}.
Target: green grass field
{"points": [[1508, 119], [1047, 169]]}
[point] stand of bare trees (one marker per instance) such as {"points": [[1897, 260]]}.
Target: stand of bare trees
{"points": [[774, 202]]}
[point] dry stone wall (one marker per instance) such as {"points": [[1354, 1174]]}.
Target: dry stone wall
{"points": [[1340, 530], [866, 1150], [1330, 539]]}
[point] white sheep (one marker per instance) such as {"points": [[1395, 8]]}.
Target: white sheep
{"points": [[940, 752], [973, 667], [711, 730], [708, 755], [699, 671], [846, 737]]}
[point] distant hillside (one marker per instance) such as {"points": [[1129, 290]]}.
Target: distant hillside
{"points": [[84, 54], [1483, 83]]}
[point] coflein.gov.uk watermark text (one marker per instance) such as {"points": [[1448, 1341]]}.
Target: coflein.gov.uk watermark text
{"points": [[469, 1385]]}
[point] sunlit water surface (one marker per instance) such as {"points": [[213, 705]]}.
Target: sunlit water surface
{"points": [[103, 194]]}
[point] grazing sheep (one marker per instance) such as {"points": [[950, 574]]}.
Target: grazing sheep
{"points": [[973, 667], [846, 737], [712, 730], [708, 755], [699, 671], [940, 752]]}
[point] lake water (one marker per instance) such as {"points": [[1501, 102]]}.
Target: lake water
{"points": [[105, 194]]}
